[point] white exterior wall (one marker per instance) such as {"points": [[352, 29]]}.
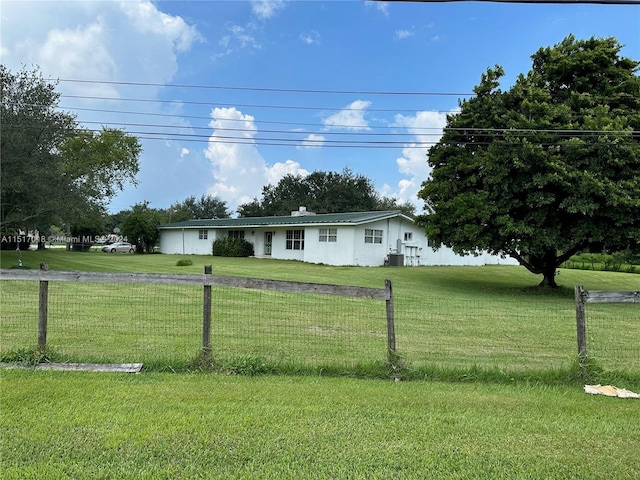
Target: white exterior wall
{"points": [[339, 252], [172, 241], [278, 247], [349, 249], [446, 256], [370, 254]]}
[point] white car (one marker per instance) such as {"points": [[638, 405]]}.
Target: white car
{"points": [[122, 247]]}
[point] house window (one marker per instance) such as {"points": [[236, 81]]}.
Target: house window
{"points": [[372, 236], [295, 240], [408, 236], [328, 235], [236, 233], [203, 234], [432, 244]]}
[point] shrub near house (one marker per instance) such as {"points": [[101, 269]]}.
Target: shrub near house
{"points": [[232, 247]]}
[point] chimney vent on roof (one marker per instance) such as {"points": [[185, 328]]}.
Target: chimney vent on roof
{"points": [[301, 212]]}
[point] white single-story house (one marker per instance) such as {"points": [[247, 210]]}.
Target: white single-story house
{"points": [[355, 238]]}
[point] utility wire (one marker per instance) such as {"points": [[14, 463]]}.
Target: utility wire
{"points": [[244, 105], [428, 131], [264, 89], [480, 139], [324, 132], [245, 130], [226, 119]]}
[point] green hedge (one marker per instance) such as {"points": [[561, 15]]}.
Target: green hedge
{"points": [[232, 247], [616, 262]]}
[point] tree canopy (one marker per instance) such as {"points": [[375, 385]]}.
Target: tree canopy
{"points": [[207, 206], [546, 169], [53, 171], [321, 192], [140, 227]]}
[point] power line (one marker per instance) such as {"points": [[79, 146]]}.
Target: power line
{"points": [[227, 119], [243, 105], [483, 137], [245, 130], [266, 89], [426, 131]]}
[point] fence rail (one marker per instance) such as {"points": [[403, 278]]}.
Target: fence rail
{"points": [[191, 279], [206, 281], [582, 297], [168, 319]]}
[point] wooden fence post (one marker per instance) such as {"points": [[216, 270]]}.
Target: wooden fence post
{"points": [[391, 328], [43, 309], [581, 326], [206, 316]]}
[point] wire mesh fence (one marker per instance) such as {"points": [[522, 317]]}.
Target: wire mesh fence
{"points": [[613, 336], [491, 333], [162, 324], [297, 329], [91, 322]]}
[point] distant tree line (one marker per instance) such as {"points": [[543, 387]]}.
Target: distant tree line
{"points": [[321, 192]]}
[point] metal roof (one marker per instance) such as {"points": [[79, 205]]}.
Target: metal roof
{"points": [[350, 218]]}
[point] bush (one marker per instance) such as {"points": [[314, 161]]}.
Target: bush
{"points": [[184, 262], [232, 247], [616, 262]]}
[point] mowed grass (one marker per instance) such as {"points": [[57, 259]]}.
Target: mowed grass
{"points": [[59, 425], [447, 318], [156, 425]]}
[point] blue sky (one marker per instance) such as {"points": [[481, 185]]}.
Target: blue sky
{"points": [[230, 96]]}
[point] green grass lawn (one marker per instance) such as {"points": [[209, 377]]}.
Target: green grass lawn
{"points": [[447, 318], [158, 425], [58, 425]]}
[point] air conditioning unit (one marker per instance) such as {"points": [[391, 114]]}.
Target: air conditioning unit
{"points": [[396, 260]]}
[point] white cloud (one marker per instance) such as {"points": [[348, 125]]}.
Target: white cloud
{"points": [[239, 170], [243, 39], [80, 53], [382, 7], [4, 51], [147, 19], [111, 41], [264, 9], [402, 34], [350, 118], [310, 38], [313, 140], [279, 170], [184, 152], [238, 38], [427, 127], [122, 40]]}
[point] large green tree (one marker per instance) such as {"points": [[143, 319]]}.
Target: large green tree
{"points": [[207, 206], [99, 164], [141, 227], [320, 192], [53, 171], [546, 169], [32, 186]]}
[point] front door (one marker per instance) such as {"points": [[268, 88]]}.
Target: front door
{"points": [[268, 238]]}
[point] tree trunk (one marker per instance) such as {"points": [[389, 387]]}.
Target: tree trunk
{"points": [[549, 270], [548, 280]]}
